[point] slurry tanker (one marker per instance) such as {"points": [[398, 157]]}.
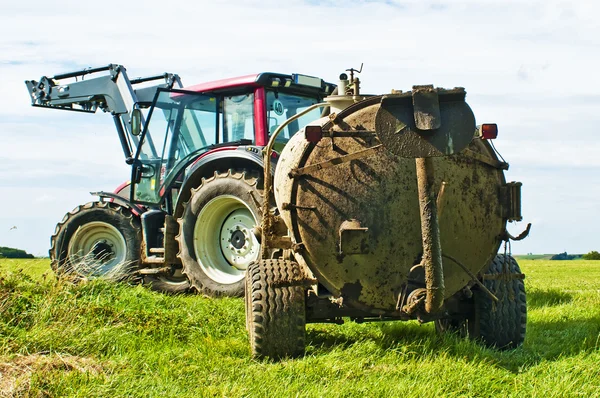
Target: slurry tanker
{"points": [[390, 207]]}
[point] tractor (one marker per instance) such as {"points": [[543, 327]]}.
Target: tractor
{"points": [[188, 215]]}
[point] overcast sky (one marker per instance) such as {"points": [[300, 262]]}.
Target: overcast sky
{"points": [[530, 66]]}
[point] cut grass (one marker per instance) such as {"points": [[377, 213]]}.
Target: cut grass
{"points": [[113, 340]]}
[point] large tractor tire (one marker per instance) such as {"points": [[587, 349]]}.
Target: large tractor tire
{"points": [[216, 241], [96, 240], [501, 324], [275, 309]]}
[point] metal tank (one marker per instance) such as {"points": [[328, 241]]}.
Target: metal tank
{"points": [[391, 208]]}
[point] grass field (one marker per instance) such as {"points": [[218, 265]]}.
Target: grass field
{"points": [[100, 339]]}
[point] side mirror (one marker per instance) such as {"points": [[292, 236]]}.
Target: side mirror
{"points": [[136, 122]]}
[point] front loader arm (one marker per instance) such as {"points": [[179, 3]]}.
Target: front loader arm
{"points": [[108, 88], [112, 92]]}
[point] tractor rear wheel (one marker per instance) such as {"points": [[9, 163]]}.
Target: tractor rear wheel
{"points": [[96, 240], [499, 324], [275, 309], [216, 241]]}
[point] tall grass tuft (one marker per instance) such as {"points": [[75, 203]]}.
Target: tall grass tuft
{"points": [[111, 339], [89, 266]]}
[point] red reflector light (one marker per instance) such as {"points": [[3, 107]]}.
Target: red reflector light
{"points": [[313, 133], [488, 131]]}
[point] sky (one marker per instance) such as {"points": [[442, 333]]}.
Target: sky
{"points": [[530, 66]]}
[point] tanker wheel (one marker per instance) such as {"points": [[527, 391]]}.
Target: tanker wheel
{"points": [[275, 310], [216, 241], [499, 324], [96, 240]]}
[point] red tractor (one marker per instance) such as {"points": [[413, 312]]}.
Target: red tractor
{"points": [[188, 216]]}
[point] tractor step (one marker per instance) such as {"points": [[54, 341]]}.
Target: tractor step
{"points": [[155, 271]]}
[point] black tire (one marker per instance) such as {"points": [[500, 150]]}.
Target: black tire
{"points": [[501, 324], [458, 326], [170, 284], [212, 269], [97, 239], [275, 310]]}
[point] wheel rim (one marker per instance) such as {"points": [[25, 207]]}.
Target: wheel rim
{"points": [[97, 248], [223, 240]]}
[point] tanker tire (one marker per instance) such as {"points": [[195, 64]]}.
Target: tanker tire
{"points": [[108, 230], [275, 310], [501, 324], [458, 326], [230, 193]]}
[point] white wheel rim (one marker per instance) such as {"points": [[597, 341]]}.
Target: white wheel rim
{"points": [[97, 248], [223, 240]]}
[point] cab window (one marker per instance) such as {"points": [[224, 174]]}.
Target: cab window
{"points": [[281, 106], [238, 118]]}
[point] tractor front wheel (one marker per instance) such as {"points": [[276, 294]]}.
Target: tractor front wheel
{"points": [[96, 240]]}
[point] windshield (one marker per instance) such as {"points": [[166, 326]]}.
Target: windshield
{"points": [[282, 106], [180, 125]]}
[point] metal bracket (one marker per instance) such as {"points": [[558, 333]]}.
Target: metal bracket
{"points": [[354, 238], [484, 159], [521, 236], [335, 161], [426, 108]]}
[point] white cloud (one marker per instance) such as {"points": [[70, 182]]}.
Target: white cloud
{"points": [[530, 66]]}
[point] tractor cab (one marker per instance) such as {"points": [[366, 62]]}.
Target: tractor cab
{"points": [[185, 125], [196, 166]]}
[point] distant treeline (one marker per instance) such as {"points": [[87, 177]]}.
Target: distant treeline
{"points": [[9, 252], [593, 255], [565, 256]]}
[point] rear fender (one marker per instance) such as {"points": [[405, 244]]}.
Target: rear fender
{"points": [[245, 157], [120, 200]]}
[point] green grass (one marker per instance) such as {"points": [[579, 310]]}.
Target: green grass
{"points": [[108, 340]]}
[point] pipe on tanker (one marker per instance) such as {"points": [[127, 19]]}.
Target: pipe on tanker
{"points": [[430, 231]]}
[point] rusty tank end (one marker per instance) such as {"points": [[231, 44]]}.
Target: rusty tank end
{"points": [[390, 207], [351, 201]]}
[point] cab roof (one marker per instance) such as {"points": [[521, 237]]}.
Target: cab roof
{"points": [[295, 82]]}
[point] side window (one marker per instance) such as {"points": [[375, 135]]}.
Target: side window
{"points": [[159, 131], [238, 118], [198, 126]]}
